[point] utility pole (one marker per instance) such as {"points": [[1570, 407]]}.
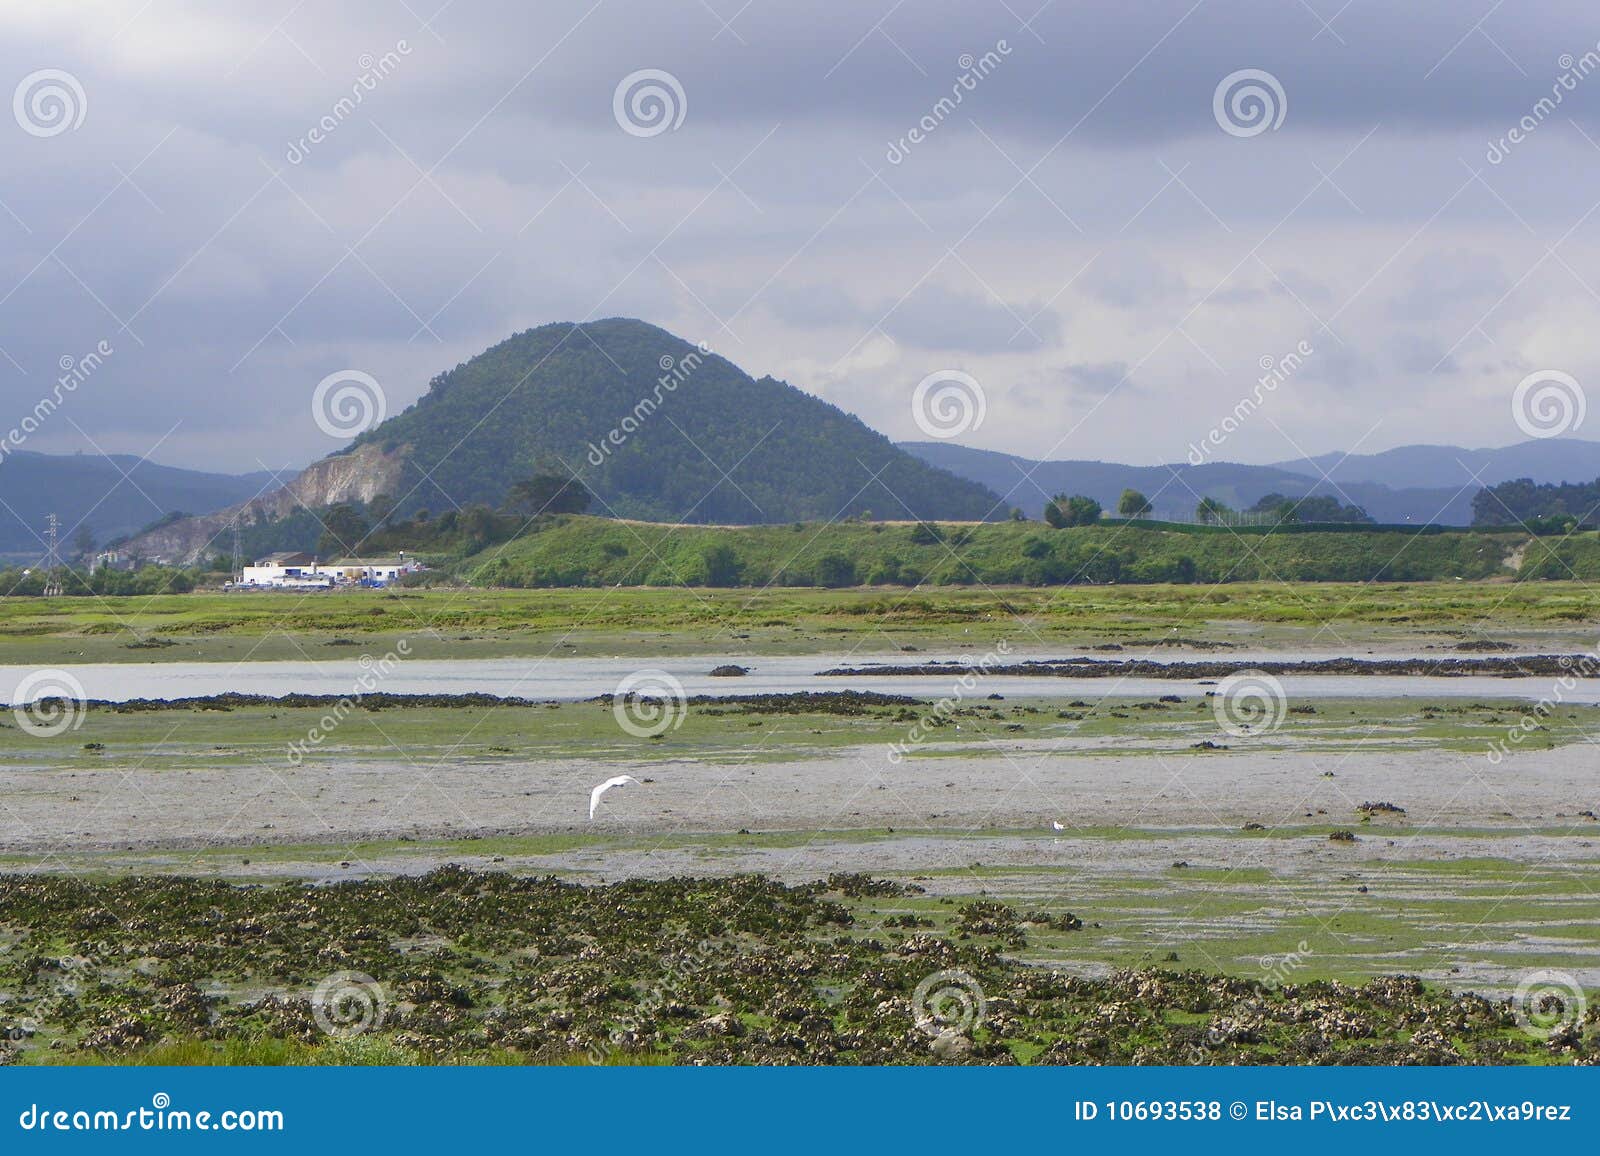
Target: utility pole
{"points": [[52, 583], [238, 553]]}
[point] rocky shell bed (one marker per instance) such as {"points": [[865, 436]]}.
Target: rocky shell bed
{"points": [[457, 966], [1521, 666]]}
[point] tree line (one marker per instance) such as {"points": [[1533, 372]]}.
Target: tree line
{"points": [[1064, 510]]}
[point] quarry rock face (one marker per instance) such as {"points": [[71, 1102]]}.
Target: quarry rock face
{"points": [[366, 472]]}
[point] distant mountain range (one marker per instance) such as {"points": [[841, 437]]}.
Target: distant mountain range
{"points": [[1418, 484], [1433, 467], [112, 495]]}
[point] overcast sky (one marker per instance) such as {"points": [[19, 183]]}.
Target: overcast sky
{"points": [[1104, 250]]}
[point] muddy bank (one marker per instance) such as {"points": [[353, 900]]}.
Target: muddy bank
{"points": [[1521, 666], [1009, 786], [844, 702]]}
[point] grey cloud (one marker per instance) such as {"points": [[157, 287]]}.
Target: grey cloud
{"points": [[1443, 280], [1418, 355], [1133, 279], [773, 210], [1097, 380], [933, 317]]}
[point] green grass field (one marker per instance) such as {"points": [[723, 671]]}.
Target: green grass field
{"points": [[469, 623]]}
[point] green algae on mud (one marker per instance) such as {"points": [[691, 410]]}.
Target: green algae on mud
{"points": [[1469, 908], [229, 731], [456, 965], [476, 623]]}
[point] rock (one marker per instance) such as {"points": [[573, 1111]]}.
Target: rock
{"points": [[1369, 809], [118, 1035], [1566, 1036], [948, 1045], [729, 670], [724, 1024]]}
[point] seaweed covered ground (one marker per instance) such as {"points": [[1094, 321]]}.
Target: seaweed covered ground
{"points": [[212, 626], [457, 966], [1521, 666]]}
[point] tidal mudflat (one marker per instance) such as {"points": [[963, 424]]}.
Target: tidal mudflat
{"points": [[1102, 868], [1353, 840]]}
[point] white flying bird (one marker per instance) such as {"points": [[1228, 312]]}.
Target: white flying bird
{"points": [[594, 795]]}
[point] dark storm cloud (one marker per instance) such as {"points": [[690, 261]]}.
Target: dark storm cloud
{"points": [[255, 200]]}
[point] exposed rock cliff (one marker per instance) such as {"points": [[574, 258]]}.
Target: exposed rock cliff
{"points": [[358, 476]]}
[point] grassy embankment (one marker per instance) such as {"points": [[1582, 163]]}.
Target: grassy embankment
{"points": [[587, 551]]}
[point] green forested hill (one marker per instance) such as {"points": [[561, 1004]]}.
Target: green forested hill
{"points": [[1524, 500], [552, 398]]}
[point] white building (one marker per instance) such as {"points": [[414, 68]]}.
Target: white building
{"points": [[374, 571], [288, 570]]}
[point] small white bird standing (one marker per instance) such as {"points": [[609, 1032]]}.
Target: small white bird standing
{"points": [[1056, 826], [594, 795]]}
